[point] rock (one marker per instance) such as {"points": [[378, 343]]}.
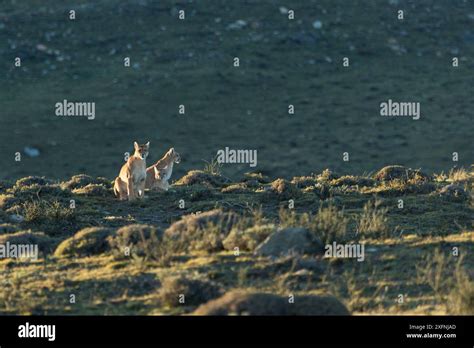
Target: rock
{"points": [[31, 151], [288, 241], [239, 24], [240, 302], [17, 218], [400, 172], [317, 25], [86, 242]]}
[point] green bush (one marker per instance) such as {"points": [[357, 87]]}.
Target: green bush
{"points": [[373, 221], [328, 225], [137, 241], [42, 211], [248, 239]]}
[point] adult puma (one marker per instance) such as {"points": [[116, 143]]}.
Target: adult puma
{"points": [[130, 183], [157, 175]]}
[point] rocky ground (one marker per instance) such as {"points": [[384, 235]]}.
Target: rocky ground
{"points": [[252, 246]]}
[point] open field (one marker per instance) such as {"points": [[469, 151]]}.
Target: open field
{"points": [[190, 62]]}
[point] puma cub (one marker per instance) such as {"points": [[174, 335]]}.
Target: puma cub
{"points": [[131, 181], [157, 175]]}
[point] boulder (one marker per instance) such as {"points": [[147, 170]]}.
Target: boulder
{"points": [[401, 173], [240, 302], [288, 241]]}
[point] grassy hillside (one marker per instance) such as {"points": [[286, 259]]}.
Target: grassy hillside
{"points": [[421, 251], [225, 239]]}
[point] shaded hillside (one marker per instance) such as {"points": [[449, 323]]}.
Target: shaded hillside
{"points": [[190, 62]]}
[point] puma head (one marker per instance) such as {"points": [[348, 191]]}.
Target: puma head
{"points": [[141, 150], [174, 155]]}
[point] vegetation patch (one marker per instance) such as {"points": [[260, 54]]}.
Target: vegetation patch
{"points": [[236, 188], [248, 239], [93, 190], [55, 217], [87, 242], [328, 225], [182, 291], [190, 224], [137, 240], [373, 221], [199, 177], [284, 189], [8, 228], [82, 180], [45, 243]]}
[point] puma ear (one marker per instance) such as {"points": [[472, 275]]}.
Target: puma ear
{"points": [[135, 145], [147, 144]]}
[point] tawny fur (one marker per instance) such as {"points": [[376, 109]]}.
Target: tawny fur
{"points": [[130, 184], [157, 175]]}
